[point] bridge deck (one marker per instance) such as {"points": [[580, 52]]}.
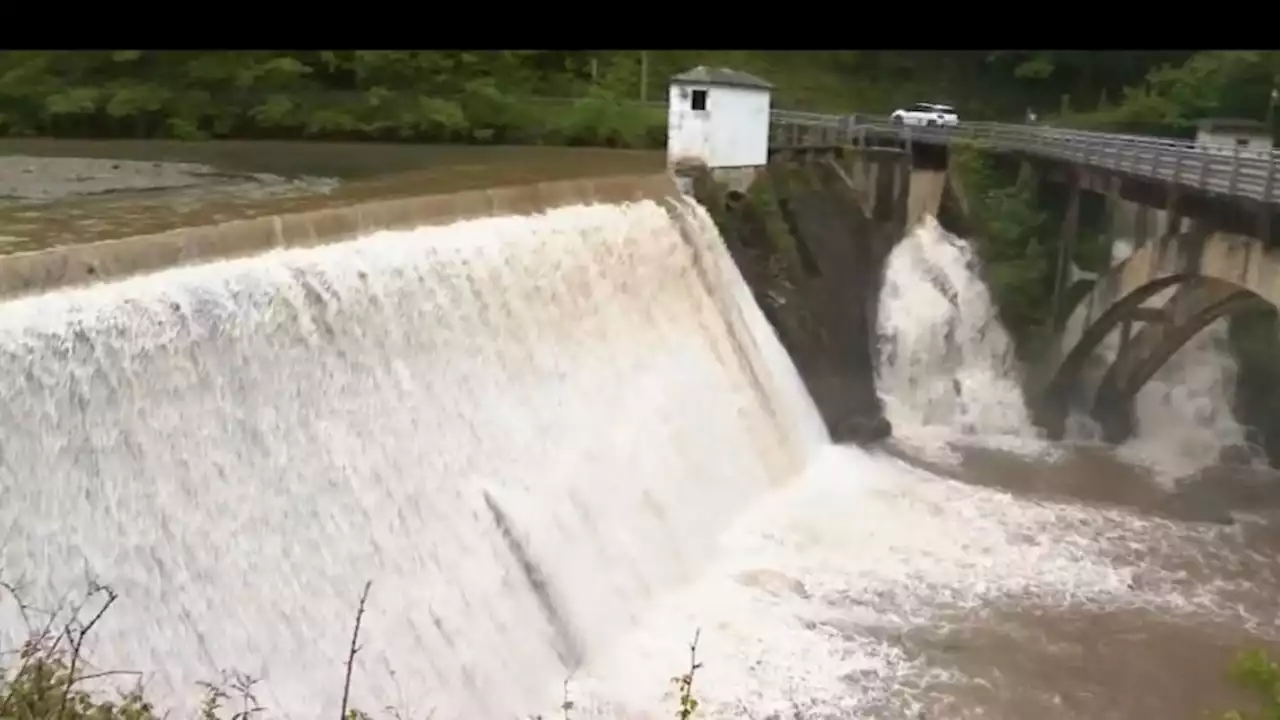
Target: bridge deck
{"points": [[1219, 170]]}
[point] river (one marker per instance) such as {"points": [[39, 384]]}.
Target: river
{"points": [[560, 445]]}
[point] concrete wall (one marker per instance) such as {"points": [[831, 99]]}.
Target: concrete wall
{"points": [[80, 264], [733, 130], [1139, 223]]}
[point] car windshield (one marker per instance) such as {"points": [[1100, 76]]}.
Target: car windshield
{"points": [[932, 107]]}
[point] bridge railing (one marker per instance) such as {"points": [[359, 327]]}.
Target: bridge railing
{"points": [[1232, 171]]}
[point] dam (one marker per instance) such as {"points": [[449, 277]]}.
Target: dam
{"points": [[558, 442], [558, 430]]}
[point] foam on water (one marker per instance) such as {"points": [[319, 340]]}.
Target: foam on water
{"points": [[520, 429], [947, 369], [818, 582]]}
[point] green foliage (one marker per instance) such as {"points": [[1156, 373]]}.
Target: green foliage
{"points": [[1170, 97], [785, 261], [419, 96], [1010, 227], [599, 119], [44, 686], [1259, 675], [684, 683], [502, 96], [46, 678]]}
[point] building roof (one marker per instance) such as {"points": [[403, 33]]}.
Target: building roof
{"points": [[1241, 126], [703, 75]]}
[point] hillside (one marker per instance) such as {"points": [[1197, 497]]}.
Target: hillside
{"points": [[610, 98]]}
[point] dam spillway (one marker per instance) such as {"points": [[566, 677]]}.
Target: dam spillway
{"points": [[237, 446]]}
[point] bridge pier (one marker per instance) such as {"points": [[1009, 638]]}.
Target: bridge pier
{"points": [[1264, 222], [1111, 207], [1126, 334], [1196, 304], [1173, 213], [1066, 244], [1117, 421], [1141, 219]]}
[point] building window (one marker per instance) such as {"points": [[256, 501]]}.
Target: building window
{"points": [[699, 100], [1242, 142]]}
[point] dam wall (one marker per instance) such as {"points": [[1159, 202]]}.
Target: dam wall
{"points": [[54, 268]]}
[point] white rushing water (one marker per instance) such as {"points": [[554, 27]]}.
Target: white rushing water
{"points": [[557, 445], [948, 372], [815, 587], [519, 429], [1183, 415], [947, 368]]}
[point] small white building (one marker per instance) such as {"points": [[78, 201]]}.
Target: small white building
{"points": [[1228, 134], [718, 118]]}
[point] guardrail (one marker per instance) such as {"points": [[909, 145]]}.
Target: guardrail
{"points": [[1232, 171]]}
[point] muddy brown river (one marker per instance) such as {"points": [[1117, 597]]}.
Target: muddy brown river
{"points": [[60, 192], [1126, 662]]}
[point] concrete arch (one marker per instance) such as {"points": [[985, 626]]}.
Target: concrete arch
{"points": [[1117, 296], [1196, 305]]}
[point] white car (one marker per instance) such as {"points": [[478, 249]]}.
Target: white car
{"points": [[926, 114]]}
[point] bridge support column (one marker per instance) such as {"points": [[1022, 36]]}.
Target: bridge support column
{"points": [[1117, 422], [1172, 215], [1116, 419], [1111, 211], [1126, 332], [1141, 219], [1066, 245]]}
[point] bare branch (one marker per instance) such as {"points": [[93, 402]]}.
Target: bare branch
{"points": [[355, 648], [106, 673], [77, 641], [684, 683], [15, 592]]}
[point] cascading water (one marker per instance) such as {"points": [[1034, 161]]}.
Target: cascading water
{"points": [[947, 366], [517, 428], [525, 431], [1183, 415]]}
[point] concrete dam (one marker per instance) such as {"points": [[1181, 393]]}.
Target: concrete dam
{"points": [[561, 429]]}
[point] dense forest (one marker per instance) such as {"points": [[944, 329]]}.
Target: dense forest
{"points": [[590, 97]]}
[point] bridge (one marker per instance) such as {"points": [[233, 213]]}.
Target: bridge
{"points": [[1234, 172], [1172, 286]]}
